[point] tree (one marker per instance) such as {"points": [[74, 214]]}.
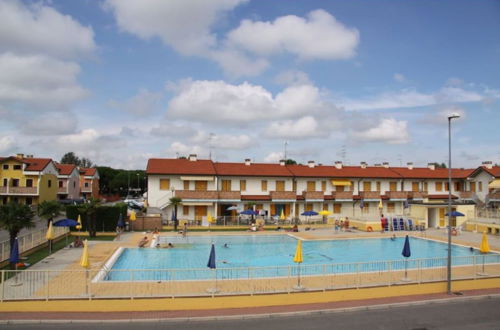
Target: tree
{"points": [[175, 202], [88, 210], [70, 158], [49, 210], [14, 217], [290, 162], [437, 165], [85, 162]]}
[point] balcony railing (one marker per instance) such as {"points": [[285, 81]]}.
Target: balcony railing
{"points": [[230, 195], [3, 190], [313, 195], [370, 195], [62, 190], [342, 195], [283, 195], [22, 190], [195, 194], [397, 195]]}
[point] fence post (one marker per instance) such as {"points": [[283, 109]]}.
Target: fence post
{"points": [[357, 275], [47, 284], [324, 276], [3, 285], [389, 271]]}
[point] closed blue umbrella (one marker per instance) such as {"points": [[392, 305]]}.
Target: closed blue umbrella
{"points": [[406, 253], [14, 253], [65, 223], [120, 223], [361, 204], [405, 204], [211, 258]]}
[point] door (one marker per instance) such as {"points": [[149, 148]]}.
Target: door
{"points": [[337, 208], [201, 186], [442, 211], [200, 212]]}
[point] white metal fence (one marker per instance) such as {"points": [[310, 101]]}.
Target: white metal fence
{"points": [[71, 284], [29, 241]]}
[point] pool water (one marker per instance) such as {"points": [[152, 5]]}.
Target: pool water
{"points": [[262, 251]]}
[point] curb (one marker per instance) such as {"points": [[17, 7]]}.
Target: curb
{"points": [[260, 316]]}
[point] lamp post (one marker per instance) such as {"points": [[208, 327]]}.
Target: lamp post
{"points": [[450, 117]]}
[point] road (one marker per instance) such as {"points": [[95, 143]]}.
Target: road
{"points": [[474, 314]]}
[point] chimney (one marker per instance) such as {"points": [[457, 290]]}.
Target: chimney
{"points": [[385, 164], [431, 166], [410, 165], [29, 156], [282, 162], [488, 164], [192, 158], [363, 164], [377, 165], [20, 156], [248, 161], [311, 164], [338, 164]]}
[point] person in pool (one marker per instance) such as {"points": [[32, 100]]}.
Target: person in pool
{"points": [[226, 246], [393, 238]]}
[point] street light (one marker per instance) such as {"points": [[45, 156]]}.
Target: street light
{"points": [[450, 117]]}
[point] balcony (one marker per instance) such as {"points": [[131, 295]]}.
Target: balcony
{"points": [[370, 195], [417, 195], [313, 196], [397, 195], [230, 195], [466, 195], [288, 196], [22, 191], [342, 195], [493, 197], [86, 190], [3, 190], [62, 190], [198, 195]]}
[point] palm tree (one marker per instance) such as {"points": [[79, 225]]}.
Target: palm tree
{"points": [[14, 217], [88, 210], [49, 210], [175, 202]]}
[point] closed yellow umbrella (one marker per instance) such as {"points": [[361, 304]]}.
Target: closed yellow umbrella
{"points": [[132, 216], [50, 232], [282, 215], [210, 219], [84, 261], [485, 247], [298, 259], [380, 205], [79, 226]]}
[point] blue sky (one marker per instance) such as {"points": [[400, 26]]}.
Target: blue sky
{"points": [[121, 81]]}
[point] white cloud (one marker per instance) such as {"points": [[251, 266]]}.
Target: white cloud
{"points": [[7, 144], [171, 129], [305, 127], [39, 29], [141, 104], [399, 77], [182, 24], [89, 141], [50, 123], [274, 157], [235, 63], [180, 149], [223, 141], [217, 102], [38, 80], [388, 130], [293, 77], [318, 36], [440, 116]]}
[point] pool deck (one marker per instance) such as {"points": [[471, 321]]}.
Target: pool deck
{"points": [[68, 259]]}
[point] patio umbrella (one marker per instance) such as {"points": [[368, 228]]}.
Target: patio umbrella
{"points": [[361, 204], [232, 208], [455, 214], [309, 213], [66, 223], [249, 212], [324, 213], [484, 248], [211, 265], [297, 258], [406, 253], [50, 236], [210, 219], [405, 204], [132, 216], [380, 205], [282, 215], [79, 226], [14, 253], [84, 262]]}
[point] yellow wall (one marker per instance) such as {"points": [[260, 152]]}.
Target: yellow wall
{"points": [[11, 173], [46, 193], [468, 210]]}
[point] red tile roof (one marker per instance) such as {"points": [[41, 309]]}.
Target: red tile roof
{"points": [[65, 169], [88, 171], [344, 172], [495, 171], [36, 164], [254, 169], [180, 166], [427, 173]]}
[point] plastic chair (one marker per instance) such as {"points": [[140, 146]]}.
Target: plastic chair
{"points": [[401, 224], [395, 224], [410, 224]]}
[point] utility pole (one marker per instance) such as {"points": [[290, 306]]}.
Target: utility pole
{"points": [[286, 144], [210, 137]]}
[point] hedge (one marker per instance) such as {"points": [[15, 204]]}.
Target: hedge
{"points": [[106, 216]]}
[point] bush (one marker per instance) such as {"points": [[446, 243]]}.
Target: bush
{"points": [[106, 216]]}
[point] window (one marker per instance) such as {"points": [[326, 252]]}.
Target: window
{"points": [[5, 166], [366, 208], [29, 200], [185, 210], [390, 207], [294, 187], [186, 185], [446, 186], [339, 188], [4, 200], [473, 186], [414, 186], [5, 182], [480, 186], [86, 185], [311, 185], [378, 186], [393, 186], [263, 185], [337, 208], [367, 186], [17, 167], [15, 200], [426, 186], [323, 186], [226, 185], [439, 186], [280, 185], [15, 182], [325, 206], [29, 182], [49, 183], [74, 184], [164, 184], [60, 184], [243, 185], [308, 207], [201, 186]]}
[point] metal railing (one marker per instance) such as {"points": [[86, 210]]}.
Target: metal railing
{"points": [[29, 241], [135, 283]]}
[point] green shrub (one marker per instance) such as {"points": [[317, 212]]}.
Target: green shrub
{"points": [[106, 216]]}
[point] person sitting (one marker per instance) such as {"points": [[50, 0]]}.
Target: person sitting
{"points": [[261, 227], [252, 227], [156, 231], [157, 245], [295, 228], [346, 223], [143, 242], [78, 242]]}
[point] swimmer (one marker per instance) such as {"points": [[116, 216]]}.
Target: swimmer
{"points": [[224, 261], [226, 246], [471, 249], [170, 246], [157, 245], [393, 238]]}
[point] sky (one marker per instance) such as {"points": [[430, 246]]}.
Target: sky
{"points": [[122, 81]]}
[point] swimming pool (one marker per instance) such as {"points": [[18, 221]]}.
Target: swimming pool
{"points": [[268, 252]]}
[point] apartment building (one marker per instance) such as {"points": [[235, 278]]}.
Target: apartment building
{"points": [[89, 183], [27, 180], [217, 188], [68, 181]]}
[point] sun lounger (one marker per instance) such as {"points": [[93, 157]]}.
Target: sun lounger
{"points": [[395, 224], [410, 224], [401, 224]]}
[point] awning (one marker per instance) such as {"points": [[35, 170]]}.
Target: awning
{"points": [[495, 184], [341, 182], [196, 204], [197, 178]]}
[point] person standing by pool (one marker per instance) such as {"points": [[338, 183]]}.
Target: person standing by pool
{"points": [[185, 230]]}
